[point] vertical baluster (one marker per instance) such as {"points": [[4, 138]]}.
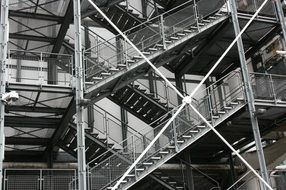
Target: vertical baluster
{"points": [[195, 7], [134, 154], [210, 104], [41, 77], [166, 95], [106, 128], [175, 132], [273, 89], [162, 29]]}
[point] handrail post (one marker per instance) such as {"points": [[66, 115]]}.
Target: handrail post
{"points": [[195, 8], [162, 28], [134, 154], [175, 132], [273, 88], [106, 128]]}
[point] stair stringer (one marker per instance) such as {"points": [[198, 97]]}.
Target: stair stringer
{"points": [[182, 147]]}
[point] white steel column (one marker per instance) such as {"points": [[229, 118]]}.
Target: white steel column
{"points": [[79, 98], [249, 95], [4, 33]]}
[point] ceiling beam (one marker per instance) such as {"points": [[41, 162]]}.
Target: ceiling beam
{"points": [[31, 38], [26, 141], [58, 111], [36, 16], [31, 122]]}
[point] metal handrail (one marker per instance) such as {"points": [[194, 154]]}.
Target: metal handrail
{"points": [[146, 23]]}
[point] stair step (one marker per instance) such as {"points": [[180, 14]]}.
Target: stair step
{"points": [[218, 14], [215, 117], [155, 158], [180, 34], [113, 69], [153, 49], [146, 53], [171, 147], [201, 126], [168, 42], [89, 83], [221, 112], [201, 24], [180, 142], [97, 78], [172, 182], [188, 31], [179, 187], [233, 103], [194, 27], [130, 175], [193, 131], [121, 65], [163, 152], [124, 181], [159, 45], [130, 61], [105, 74], [174, 38], [240, 99], [212, 17], [228, 108], [140, 169], [164, 177], [206, 21], [187, 136], [147, 163], [137, 57]]}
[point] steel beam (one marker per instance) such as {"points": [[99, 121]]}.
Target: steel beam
{"points": [[40, 88], [189, 173], [31, 122], [68, 18], [32, 38], [35, 16], [249, 94], [12, 108], [4, 38], [79, 98], [26, 141]]}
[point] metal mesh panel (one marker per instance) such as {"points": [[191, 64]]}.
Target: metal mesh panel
{"points": [[21, 182], [56, 182], [22, 179]]}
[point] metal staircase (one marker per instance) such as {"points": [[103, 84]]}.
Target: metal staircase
{"points": [[122, 15], [184, 131], [124, 65], [101, 136]]}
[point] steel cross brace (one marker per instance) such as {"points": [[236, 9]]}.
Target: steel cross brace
{"points": [[186, 100]]}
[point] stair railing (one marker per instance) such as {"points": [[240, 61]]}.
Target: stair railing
{"points": [[150, 35], [269, 87], [187, 120], [107, 126]]}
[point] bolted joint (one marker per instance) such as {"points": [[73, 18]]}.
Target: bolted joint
{"points": [[187, 99], [84, 102]]}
